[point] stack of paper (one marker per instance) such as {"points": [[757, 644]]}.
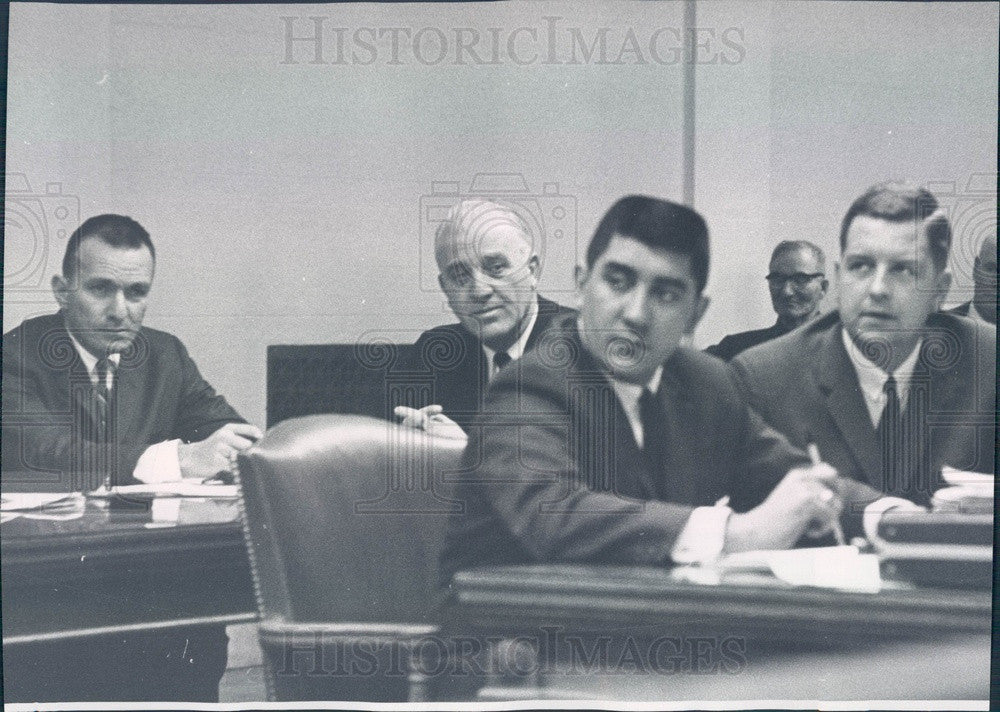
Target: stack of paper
{"points": [[969, 492], [175, 488], [41, 505]]}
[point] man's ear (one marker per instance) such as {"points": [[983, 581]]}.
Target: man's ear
{"points": [[825, 285], [580, 274], [700, 307], [535, 266], [60, 289], [441, 282]]}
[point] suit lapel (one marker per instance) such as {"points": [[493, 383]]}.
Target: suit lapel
{"points": [[678, 409], [130, 378], [839, 384]]}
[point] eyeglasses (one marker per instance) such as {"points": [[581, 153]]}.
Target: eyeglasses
{"points": [[799, 279]]}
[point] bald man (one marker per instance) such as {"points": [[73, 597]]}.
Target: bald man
{"points": [[488, 270], [983, 305], [797, 281]]}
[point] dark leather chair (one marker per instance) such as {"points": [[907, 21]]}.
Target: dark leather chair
{"points": [[344, 517]]}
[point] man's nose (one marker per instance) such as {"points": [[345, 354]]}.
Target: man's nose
{"points": [[480, 287], [636, 311], [878, 285], [788, 288], [118, 306]]}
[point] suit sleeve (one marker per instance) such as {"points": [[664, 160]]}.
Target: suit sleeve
{"points": [[202, 411], [557, 508], [52, 449]]}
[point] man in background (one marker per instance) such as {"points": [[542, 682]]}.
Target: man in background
{"points": [[889, 389], [797, 281], [610, 443], [983, 305], [91, 397], [488, 270]]}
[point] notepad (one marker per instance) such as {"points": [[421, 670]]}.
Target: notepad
{"points": [[175, 488], [835, 567]]}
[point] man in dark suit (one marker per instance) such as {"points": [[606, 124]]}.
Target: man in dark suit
{"points": [[983, 305], [889, 389], [489, 271], [90, 398], [610, 443], [797, 281]]}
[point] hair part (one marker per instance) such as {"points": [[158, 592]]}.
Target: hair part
{"points": [[658, 224], [118, 231], [901, 203]]}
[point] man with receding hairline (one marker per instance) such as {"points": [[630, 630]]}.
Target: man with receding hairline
{"points": [[488, 270], [889, 389], [796, 279]]}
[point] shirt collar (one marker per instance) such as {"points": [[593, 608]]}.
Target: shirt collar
{"points": [[516, 350], [89, 360], [872, 378], [628, 395]]}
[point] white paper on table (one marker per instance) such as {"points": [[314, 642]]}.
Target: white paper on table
{"points": [[31, 501], [838, 567], [177, 488], [964, 478]]}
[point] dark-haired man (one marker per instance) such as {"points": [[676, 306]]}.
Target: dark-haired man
{"points": [[888, 388], [92, 397], [610, 443], [796, 279]]}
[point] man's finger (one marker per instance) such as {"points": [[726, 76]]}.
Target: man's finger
{"points": [[247, 430]]}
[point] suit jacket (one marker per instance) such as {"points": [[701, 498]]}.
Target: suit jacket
{"points": [[552, 471], [805, 385], [49, 416], [458, 363], [731, 345]]}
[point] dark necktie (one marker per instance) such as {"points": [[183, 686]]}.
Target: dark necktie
{"points": [[890, 436], [103, 395], [501, 359], [652, 417]]}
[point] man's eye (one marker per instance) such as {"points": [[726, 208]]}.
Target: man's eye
{"points": [[905, 270], [859, 267], [667, 295], [135, 294], [496, 268], [618, 281], [101, 290]]}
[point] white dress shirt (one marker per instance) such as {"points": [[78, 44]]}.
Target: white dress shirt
{"points": [[516, 350], [159, 462], [871, 380]]}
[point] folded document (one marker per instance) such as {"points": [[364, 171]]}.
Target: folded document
{"points": [[174, 488]]}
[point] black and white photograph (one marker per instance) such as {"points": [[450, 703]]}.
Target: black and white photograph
{"points": [[499, 355]]}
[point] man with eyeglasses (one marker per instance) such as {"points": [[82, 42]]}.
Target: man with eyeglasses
{"points": [[889, 389], [797, 281], [489, 271]]}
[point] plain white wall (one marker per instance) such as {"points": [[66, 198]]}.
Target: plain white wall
{"points": [[285, 199]]}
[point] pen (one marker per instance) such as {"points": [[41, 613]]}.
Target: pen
{"points": [[838, 532]]}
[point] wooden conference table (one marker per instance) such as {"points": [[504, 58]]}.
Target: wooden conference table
{"points": [[176, 562], [184, 563]]}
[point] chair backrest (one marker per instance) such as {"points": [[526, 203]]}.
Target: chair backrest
{"points": [[345, 518], [335, 378]]}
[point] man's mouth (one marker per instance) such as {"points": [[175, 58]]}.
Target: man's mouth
{"points": [[878, 315]]}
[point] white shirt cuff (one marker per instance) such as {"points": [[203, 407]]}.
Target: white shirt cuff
{"points": [[159, 463], [874, 511], [703, 536]]}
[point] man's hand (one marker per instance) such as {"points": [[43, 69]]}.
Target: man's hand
{"points": [[214, 454], [432, 419], [806, 498]]}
